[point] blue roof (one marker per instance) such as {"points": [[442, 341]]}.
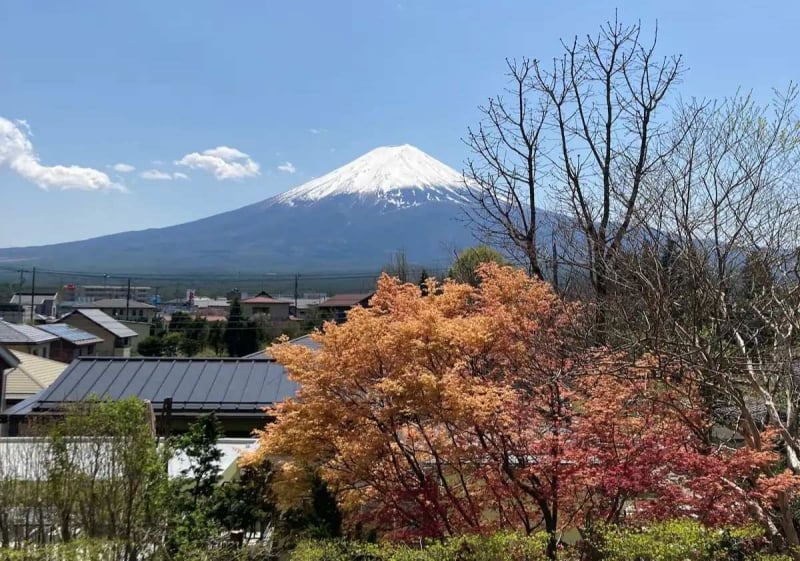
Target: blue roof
{"points": [[71, 334]]}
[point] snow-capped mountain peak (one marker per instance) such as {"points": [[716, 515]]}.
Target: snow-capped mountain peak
{"points": [[398, 175]]}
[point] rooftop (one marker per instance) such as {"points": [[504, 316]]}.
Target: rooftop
{"points": [[346, 300], [31, 375], [105, 321], [18, 333], [304, 341], [195, 385], [72, 334], [117, 303], [262, 298], [38, 298]]}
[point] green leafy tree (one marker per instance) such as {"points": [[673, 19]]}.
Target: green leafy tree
{"points": [[235, 328], [151, 346], [216, 337], [194, 521], [188, 346], [171, 344], [465, 266]]}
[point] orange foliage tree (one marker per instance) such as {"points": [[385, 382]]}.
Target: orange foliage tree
{"points": [[468, 409]]}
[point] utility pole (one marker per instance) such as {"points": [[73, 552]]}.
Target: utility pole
{"points": [[33, 294], [128, 302], [296, 280], [21, 280]]}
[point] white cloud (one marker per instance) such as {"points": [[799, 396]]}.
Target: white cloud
{"points": [[223, 162], [155, 175], [158, 175], [123, 168], [288, 167], [17, 153], [314, 131]]}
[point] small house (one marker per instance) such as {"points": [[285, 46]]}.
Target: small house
{"points": [[121, 308], [263, 303], [26, 338], [71, 343], [43, 303], [116, 337], [336, 307]]}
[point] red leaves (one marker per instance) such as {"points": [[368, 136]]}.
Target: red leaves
{"points": [[471, 409]]}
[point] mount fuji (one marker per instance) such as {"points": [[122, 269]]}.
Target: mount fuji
{"points": [[353, 218]]}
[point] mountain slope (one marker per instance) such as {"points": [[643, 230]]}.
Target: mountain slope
{"points": [[354, 217]]}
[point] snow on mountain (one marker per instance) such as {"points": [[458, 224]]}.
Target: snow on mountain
{"points": [[399, 176], [353, 218]]}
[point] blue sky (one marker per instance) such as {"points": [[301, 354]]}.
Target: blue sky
{"points": [[303, 86]]}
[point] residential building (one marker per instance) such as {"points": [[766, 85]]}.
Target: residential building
{"points": [[336, 307], [180, 390], [90, 293], [304, 307], [262, 303], [72, 342], [120, 308], [26, 338], [204, 307], [116, 337], [31, 375], [43, 303]]}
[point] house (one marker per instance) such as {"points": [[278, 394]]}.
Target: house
{"points": [[263, 303], [304, 307], [116, 337], [26, 338], [335, 308], [205, 307], [180, 390], [72, 342], [43, 303], [31, 375], [120, 308]]}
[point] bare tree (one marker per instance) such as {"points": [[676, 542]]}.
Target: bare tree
{"points": [[718, 291], [583, 134], [503, 177]]}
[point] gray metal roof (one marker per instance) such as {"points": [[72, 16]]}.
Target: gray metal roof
{"points": [[72, 334], [106, 322], [222, 385], [304, 340], [23, 334]]}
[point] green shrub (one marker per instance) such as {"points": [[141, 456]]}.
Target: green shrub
{"points": [[682, 540], [505, 546]]}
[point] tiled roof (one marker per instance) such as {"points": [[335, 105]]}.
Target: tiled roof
{"points": [[18, 333], [72, 334], [346, 300], [222, 385], [32, 375], [105, 321]]}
